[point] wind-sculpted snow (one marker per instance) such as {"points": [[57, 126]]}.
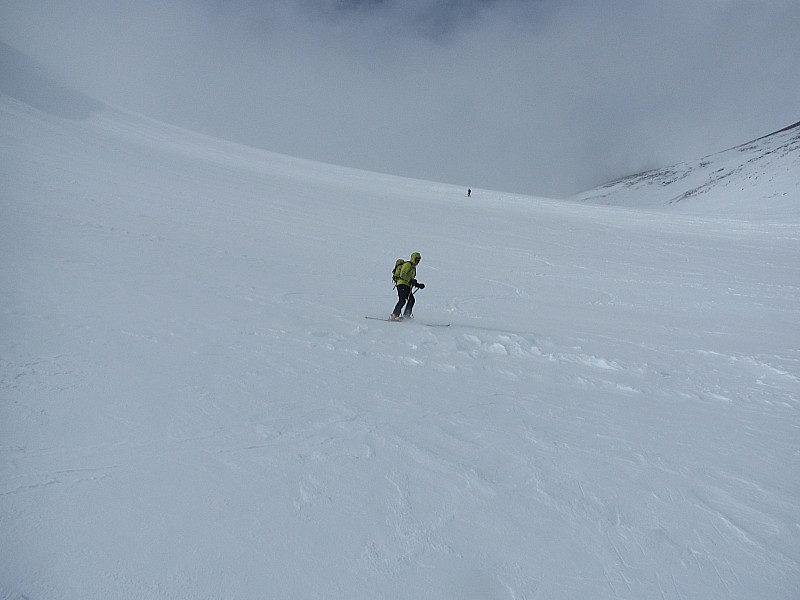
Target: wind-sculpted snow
{"points": [[194, 406]]}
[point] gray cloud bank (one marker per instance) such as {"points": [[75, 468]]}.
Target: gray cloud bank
{"points": [[546, 97]]}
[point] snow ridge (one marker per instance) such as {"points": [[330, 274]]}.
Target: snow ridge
{"points": [[756, 180]]}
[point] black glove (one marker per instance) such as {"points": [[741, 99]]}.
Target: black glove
{"points": [[421, 286]]}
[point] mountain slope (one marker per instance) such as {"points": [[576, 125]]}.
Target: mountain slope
{"points": [[757, 180], [193, 405]]}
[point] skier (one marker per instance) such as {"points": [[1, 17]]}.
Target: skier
{"points": [[405, 275], [469, 193]]}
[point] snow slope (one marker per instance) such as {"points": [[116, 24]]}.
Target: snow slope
{"points": [[757, 180], [194, 406]]}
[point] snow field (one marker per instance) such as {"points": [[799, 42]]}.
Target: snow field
{"points": [[195, 407]]}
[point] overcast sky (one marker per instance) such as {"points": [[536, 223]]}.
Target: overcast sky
{"points": [[546, 97]]}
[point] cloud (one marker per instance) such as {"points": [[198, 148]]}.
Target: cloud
{"points": [[547, 97], [27, 81]]}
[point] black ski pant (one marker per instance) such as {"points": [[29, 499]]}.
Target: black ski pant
{"points": [[404, 296]]}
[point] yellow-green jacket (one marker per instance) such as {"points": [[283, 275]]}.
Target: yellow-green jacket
{"points": [[407, 274], [408, 271]]}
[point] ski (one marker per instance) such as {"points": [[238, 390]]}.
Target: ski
{"points": [[401, 320]]}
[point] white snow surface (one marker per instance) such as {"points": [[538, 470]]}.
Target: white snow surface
{"points": [[194, 406]]}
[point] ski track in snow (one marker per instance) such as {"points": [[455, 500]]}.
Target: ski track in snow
{"points": [[194, 406]]}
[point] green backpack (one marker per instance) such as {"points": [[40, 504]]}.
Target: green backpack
{"points": [[398, 264]]}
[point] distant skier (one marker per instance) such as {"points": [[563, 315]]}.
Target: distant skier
{"points": [[469, 193], [405, 278]]}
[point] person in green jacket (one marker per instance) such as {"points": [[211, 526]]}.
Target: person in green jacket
{"points": [[405, 278]]}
